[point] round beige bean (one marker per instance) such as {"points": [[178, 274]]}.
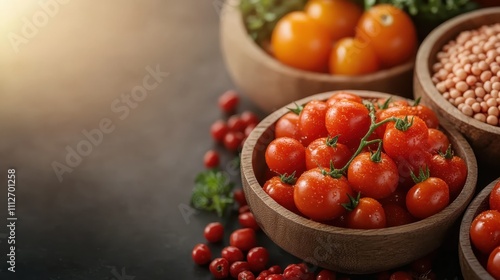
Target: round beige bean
{"points": [[476, 107], [469, 101], [441, 87], [454, 93], [484, 107], [492, 120], [467, 68], [487, 86], [480, 117], [468, 93], [461, 86], [460, 106], [467, 110], [449, 83], [460, 73], [485, 76], [459, 100], [494, 93], [471, 80], [479, 91], [475, 70], [493, 111], [492, 102]]}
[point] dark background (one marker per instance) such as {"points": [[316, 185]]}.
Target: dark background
{"points": [[123, 211]]}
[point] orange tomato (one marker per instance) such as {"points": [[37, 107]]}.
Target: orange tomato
{"points": [[301, 42], [350, 56], [339, 16], [391, 33]]}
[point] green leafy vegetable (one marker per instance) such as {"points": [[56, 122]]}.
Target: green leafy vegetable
{"points": [[212, 191], [260, 16]]}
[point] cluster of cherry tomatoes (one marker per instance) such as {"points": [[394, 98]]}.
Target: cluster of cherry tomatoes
{"points": [[485, 233], [231, 132], [337, 36], [357, 164]]}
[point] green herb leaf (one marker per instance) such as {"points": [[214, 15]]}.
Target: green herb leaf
{"points": [[212, 191]]}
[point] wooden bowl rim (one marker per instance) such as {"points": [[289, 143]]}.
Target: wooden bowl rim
{"points": [[231, 11], [248, 174], [422, 67], [464, 238]]}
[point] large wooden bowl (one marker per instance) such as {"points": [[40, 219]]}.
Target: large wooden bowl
{"points": [[469, 264], [341, 249], [271, 84], [484, 138]]}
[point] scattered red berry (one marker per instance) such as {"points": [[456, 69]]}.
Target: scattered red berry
{"points": [[247, 220], [239, 197], [232, 254], [249, 129], [218, 130], [228, 101], [249, 118], [214, 232], [275, 277], [201, 254], [326, 274], [238, 267], [211, 159], [244, 209], [244, 239], [257, 258], [219, 268], [232, 140], [236, 124], [246, 275], [275, 269], [263, 274]]}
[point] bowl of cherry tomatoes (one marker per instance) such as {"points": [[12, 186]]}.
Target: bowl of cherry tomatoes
{"points": [[357, 182], [479, 240], [330, 45]]}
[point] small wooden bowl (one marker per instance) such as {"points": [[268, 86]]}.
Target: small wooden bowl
{"points": [[341, 249], [271, 84], [469, 264], [484, 138]]}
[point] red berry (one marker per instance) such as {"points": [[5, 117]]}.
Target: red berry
{"points": [[246, 275], [219, 268], [201, 254], [211, 159], [232, 254], [326, 274], [297, 271], [236, 124], [232, 140], [263, 274], [275, 269], [228, 101], [218, 130], [243, 209], [247, 220], [244, 239], [257, 258], [214, 232], [249, 118], [275, 277], [239, 196], [249, 129], [238, 267]]}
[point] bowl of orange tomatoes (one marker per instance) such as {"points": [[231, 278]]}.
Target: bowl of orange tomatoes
{"points": [[328, 45], [357, 182], [479, 241]]}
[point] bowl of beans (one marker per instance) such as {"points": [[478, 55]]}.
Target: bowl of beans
{"points": [[457, 73]]}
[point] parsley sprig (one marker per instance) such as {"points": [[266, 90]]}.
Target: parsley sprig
{"points": [[212, 191]]}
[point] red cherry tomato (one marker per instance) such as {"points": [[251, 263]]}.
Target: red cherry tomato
{"points": [[249, 118], [233, 140], [257, 258], [312, 121], [275, 269], [396, 215], [320, 197], [214, 232], [218, 130], [438, 141], [232, 254], [494, 200], [219, 268], [201, 254], [493, 265], [246, 275], [286, 155], [326, 274], [236, 124], [343, 95], [281, 191], [247, 220], [228, 101], [239, 197], [237, 267], [322, 151], [368, 214], [485, 231], [376, 179], [452, 170], [427, 198], [244, 239], [288, 126], [211, 159], [349, 120]]}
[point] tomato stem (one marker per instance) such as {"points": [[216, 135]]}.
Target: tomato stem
{"points": [[298, 108], [448, 154], [332, 141], [404, 124], [288, 179], [377, 156], [353, 202], [422, 175]]}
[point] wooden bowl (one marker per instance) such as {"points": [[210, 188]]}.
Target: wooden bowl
{"points": [[469, 264], [341, 249], [483, 138], [271, 84]]}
